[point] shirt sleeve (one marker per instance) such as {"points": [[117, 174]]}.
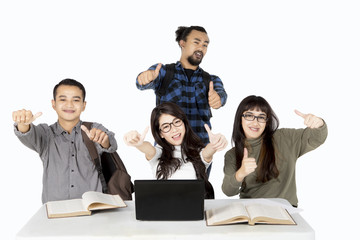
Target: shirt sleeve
{"points": [[312, 138], [302, 140], [207, 164], [155, 160], [230, 185], [35, 138], [219, 88]]}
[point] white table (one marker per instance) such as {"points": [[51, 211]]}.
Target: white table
{"points": [[121, 224]]}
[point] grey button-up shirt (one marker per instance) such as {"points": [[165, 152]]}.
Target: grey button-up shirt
{"points": [[68, 168]]}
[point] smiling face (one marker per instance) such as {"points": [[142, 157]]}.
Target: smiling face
{"points": [[253, 129], [194, 48], [68, 104], [176, 134]]}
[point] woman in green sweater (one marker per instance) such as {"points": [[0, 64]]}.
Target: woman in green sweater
{"points": [[262, 163]]}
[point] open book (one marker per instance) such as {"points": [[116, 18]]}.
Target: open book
{"points": [[252, 214], [77, 207]]}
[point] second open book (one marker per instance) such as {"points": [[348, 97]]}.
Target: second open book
{"points": [[237, 212], [76, 207]]}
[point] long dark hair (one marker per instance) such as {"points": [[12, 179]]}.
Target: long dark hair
{"points": [[267, 168], [190, 146]]}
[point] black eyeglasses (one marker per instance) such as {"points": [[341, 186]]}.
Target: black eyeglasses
{"points": [[251, 117], [166, 127]]}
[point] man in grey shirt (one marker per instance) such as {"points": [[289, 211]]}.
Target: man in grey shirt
{"points": [[68, 168]]}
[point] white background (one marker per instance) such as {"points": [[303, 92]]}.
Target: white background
{"points": [[296, 54]]}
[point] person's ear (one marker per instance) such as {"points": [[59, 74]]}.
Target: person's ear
{"points": [[53, 103], [182, 43], [84, 106]]}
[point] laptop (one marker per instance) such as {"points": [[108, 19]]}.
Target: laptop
{"points": [[169, 200]]}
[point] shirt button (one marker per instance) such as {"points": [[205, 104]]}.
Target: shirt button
{"points": [[72, 170], [72, 185], [72, 155]]}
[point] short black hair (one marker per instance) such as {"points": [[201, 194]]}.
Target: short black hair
{"points": [[69, 82], [182, 32]]}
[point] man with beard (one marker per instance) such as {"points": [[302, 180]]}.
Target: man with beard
{"points": [[188, 87]]}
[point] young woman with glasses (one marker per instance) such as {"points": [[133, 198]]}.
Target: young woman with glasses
{"points": [[262, 163], [179, 153]]}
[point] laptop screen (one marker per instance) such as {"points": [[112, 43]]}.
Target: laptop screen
{"points": [[169, 199]]}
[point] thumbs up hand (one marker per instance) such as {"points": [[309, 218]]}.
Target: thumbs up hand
{"points": [[214, 98], [310, 120], [248, 165], [98, 136], [135, 139], [24, 118], [217, 141], [149, 75]]}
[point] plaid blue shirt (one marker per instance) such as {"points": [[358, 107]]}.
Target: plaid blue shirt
{"points": [[190, 94]]}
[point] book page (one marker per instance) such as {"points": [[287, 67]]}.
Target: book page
{"points": [[65, 207], [267, 211], [286, 205], [97, 200], [232, 213]]}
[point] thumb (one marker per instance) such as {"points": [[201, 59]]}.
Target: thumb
{"points": [[157, 70], [246, 154], [208, 130], [34, 117], [37, 115], [300, 113], [211, 86], [86, 130], [143, 135]]}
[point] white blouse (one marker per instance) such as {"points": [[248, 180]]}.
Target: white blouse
{"points": [[186, 170]]}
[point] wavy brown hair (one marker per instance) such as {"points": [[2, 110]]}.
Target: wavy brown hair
{"points": [[267, 168]]}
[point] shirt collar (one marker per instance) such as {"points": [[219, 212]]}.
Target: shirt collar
{"points": [[178, 64], [60, 130], [254, 142]]}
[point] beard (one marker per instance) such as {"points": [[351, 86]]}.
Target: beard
{"points": [[194, 61]]}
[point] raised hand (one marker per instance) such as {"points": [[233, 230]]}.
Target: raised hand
{"points": [[214, 98], [218, 141], [135, 139], [97, 135], [149, 75], [248, 165], [310, 120], [25, 116]]}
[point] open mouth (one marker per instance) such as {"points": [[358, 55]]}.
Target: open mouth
{"points": [[177, 136], [198, 54]]}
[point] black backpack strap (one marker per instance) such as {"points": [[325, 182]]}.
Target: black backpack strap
{"points": [[169, 75], [206, 78], [94, 155]]}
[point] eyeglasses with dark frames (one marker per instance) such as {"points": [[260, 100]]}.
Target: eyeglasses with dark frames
{"points": [[166, 127], [251, 117]]}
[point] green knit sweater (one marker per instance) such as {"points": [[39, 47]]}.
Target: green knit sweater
{"points": [[290, 144]]}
